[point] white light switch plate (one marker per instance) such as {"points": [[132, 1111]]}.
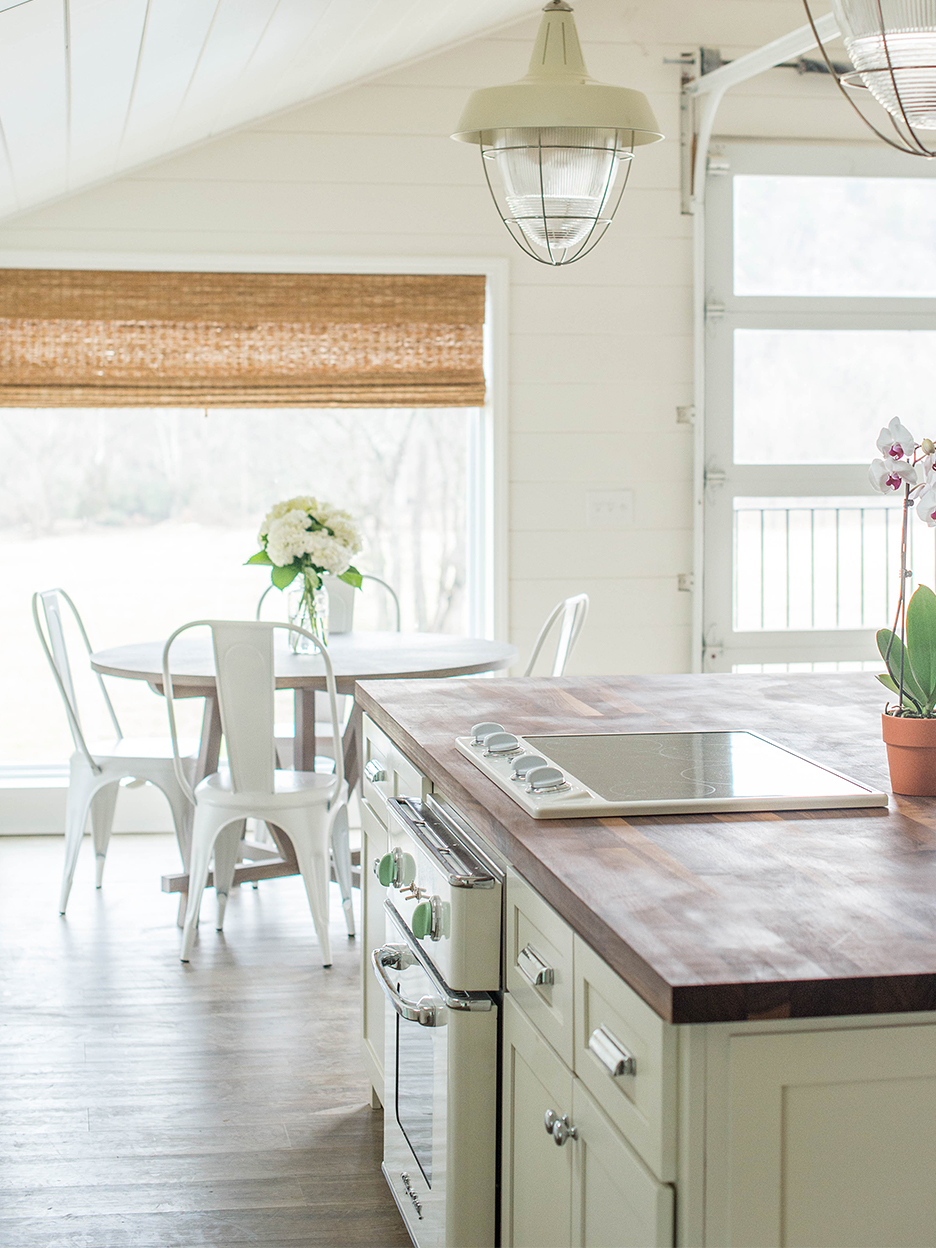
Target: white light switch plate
{"points": [[609, 509]]}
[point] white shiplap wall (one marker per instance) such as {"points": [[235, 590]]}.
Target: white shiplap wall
{"points": [[600, 353]]}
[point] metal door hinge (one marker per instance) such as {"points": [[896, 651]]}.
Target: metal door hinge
{"points": [[685, 415], [714, 310], [715, 166], [714, 476]]}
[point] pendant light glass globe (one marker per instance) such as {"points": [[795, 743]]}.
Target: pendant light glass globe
{"points": [[892, 45], [557, 146], [559, 183]]}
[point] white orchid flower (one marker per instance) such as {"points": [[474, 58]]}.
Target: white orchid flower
{"points": [[896, 442], [926, 505], [888, 478]]}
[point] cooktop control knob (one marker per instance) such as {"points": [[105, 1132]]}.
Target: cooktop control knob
{"points": [[501, 745], [523, 765], [545, 780], [480, 731]]}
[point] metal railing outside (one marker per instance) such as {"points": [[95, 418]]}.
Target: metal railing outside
{"points": [[822, 563]]}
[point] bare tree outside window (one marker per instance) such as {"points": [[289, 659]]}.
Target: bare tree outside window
{"points": [[146, 517]]}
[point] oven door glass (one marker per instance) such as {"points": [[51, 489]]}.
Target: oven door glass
{"points": [[417, 1059]]}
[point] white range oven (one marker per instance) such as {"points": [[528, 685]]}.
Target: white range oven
{"points": [[440, 970]]}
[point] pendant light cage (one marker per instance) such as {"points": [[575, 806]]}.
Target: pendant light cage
{"points": [[557, 188], [892, 44]]}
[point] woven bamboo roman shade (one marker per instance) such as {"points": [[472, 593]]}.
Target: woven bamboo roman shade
{"points": [[79, 338]]}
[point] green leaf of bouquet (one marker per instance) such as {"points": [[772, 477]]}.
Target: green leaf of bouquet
{"points": [[921, 641], [281, 577], [889, 640], [260, 557], [351, 577]]}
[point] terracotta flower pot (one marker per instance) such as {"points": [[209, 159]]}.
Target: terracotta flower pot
{"points": [[911, 754]]}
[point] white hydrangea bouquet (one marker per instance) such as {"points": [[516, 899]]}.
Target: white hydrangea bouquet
{"points": [[305, 537]]}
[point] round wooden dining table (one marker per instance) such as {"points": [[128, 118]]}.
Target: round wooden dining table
{"points": [[354, 656]]}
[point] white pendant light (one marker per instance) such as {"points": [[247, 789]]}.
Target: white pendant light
{"points": [[892, 45], [556, 146]]}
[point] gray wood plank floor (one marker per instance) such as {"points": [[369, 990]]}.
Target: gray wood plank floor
{"points": [[147, 1104]]}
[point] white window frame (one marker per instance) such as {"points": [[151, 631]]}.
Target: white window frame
{"points": [[29, 804], [723, 480]]}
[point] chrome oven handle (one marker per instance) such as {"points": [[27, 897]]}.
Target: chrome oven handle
{"points": [[427, 1011], [465, 876]]}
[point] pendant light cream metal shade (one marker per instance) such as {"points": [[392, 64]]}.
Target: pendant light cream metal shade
{"points": [[557, 145]]}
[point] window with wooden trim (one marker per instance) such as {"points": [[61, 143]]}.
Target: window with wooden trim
{"points": [[144, 503]]}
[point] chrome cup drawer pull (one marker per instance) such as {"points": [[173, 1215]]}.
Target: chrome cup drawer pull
{"points": [[611, 1053], [375, 771], [533, 969]]}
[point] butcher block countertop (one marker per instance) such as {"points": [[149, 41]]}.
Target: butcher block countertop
{"points": [[710, 918]]}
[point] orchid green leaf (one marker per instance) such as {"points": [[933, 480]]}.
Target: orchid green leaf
{"points": [[891, 650], [921, 643]]}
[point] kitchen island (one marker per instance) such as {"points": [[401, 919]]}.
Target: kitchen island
{"points": [[774, 973]]}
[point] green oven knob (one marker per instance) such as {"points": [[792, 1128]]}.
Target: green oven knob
{"points": [[422, 920], [387, 869], [427, 919]]}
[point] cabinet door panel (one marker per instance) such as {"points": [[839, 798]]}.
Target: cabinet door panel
{"points": [[830, 1140], [537, 1187], [617, 1202], [534, 929], [642, 1105]]}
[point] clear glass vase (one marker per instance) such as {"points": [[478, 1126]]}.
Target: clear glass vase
{"points": [[307, 607]]}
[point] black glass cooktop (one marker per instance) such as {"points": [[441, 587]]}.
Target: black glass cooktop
{"points": [[680, 766]]}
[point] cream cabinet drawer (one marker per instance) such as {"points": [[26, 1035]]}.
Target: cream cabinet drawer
{"points": [[386, 771], [539, 964], [625, 1054]]}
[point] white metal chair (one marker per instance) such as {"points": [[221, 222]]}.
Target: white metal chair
{"points": [[97, 767], [341, 608], [310, 807], [570, 615]]}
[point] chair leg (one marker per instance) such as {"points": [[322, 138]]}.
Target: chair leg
{"points": [[202, 845], [182, 814], [341, 851], [226, 847], [77, 803], [103, 805], [313, 865]]}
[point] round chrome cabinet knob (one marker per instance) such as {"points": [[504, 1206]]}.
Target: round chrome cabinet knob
{"points": [[501, 745], [523, 765], [480, 731], [545, 780]]}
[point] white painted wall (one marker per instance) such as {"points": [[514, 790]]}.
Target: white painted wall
{"points": [[600, 352]]}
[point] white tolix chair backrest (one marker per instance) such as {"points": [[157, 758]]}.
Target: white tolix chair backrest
{"points": [[571, 613], [52, 640], [245, 675]]}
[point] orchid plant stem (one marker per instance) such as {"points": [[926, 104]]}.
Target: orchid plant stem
{"points": [[900, 616]]}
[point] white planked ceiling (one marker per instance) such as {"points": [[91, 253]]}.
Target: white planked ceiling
{"points": [[92, 88]]}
